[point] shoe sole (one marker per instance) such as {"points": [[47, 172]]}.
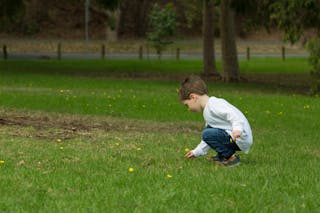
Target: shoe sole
{"points": [[228, 166], [210, 159]]}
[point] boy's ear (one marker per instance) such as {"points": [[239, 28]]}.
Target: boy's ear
{"points": [[192, 96]]}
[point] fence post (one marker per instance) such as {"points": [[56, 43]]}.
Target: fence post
{"points": [[147, 50], [140, 52], [59, 51], [178, 54], [283, 53], [248, 53], [5, 52], [103, 51]]}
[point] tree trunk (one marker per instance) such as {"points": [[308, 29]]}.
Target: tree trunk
{"points": [[113, 25], [209, 64], [230, 66]]}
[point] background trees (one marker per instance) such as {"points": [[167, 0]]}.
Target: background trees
{"points": [[11, 15], [208, 18]]}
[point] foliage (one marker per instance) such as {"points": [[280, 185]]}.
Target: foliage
{"points": [[294, 16], [11, 15], [109, 4], [163, 25], [256, 13], [313, 47]]}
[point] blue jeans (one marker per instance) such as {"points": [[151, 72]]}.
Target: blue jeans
{"points": [[220, 141]]}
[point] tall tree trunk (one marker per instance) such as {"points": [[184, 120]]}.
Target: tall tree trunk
{"points": [[230, 66], [113, 25], [209, 64]]}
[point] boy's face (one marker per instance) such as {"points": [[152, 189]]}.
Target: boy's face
{"points": [[193, 103]]}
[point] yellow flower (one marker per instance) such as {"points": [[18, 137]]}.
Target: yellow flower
{"points": [[186, 149], [131, 169], [1, 161], [169, 176], [61, 91]]}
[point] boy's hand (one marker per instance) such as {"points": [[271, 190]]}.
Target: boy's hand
{"points": [[190, 155], [236, 134]]}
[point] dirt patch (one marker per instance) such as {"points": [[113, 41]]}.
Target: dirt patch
{"points": [[54, 126]]}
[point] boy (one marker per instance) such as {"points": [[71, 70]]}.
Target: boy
{"points": [[227, 129]]}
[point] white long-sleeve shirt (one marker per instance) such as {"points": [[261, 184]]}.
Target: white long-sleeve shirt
{"points": [[218, 113]]}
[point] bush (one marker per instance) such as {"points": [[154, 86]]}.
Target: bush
{"points": [[313, 46], [163, 24]]}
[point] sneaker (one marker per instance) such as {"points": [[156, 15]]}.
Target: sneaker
{"points": [[216, 158], [234, 160]]}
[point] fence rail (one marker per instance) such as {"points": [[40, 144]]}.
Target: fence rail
{"points": [[96, 50]]}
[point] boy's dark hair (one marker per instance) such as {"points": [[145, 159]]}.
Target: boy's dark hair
{"points": [[192, 84]]}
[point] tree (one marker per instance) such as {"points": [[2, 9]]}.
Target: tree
{"points": [[230, 66], [111, 9], [163, 25], [209, 64]]}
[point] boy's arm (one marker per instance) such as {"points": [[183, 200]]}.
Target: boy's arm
{"points": [[200, 150]]}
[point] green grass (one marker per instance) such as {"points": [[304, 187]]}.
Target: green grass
{"points": [[166, 66], [88, 170]]}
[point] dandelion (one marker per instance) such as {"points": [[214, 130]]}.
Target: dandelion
{"points": [[131, 169], [1, 161], [169, 176]]}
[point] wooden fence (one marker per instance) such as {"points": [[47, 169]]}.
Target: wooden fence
{"points": [[142, 52]]}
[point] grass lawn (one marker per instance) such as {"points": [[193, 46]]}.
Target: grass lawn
{"points": [[68, 142], [166, 66]]}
